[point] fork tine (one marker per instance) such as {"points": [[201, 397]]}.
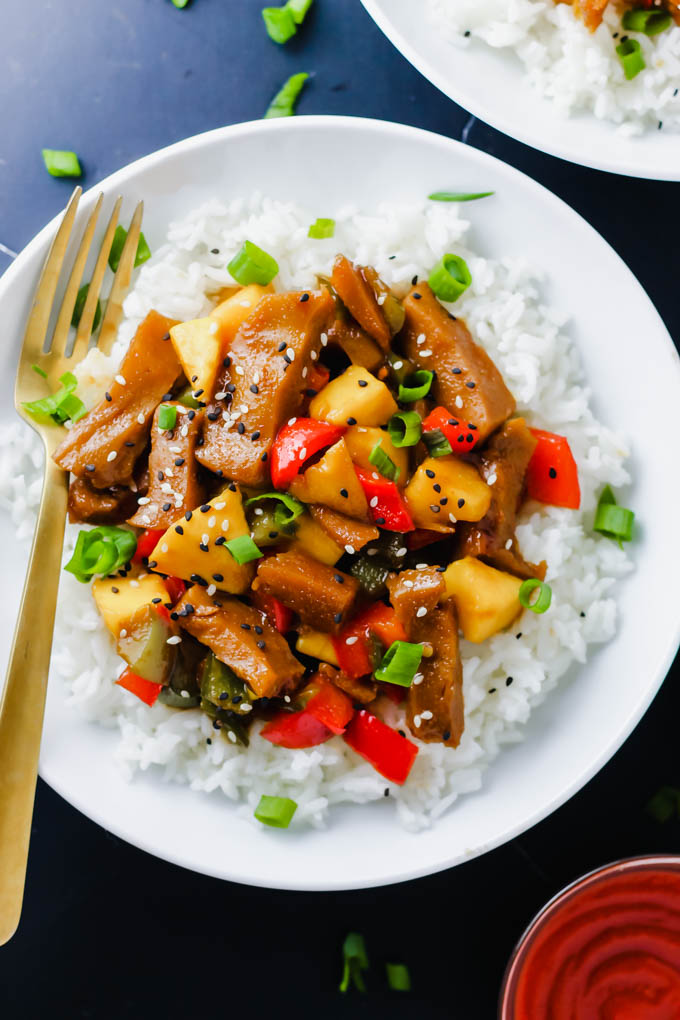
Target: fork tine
{"points": [[58, 344], [38, 321], [87, 318], [121, 282]]}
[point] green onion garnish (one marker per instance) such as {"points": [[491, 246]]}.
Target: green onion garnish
{"points": [[59, 406], [415, 386], [299, 8], [283, 103], [384, 463], [437, 444], [103, 550], [630, 55], [398, 977], [143, 251], [458, 196], [649, 22], [405, 428], [450, 277], [355, 961], [167, 417], [61, 163], [39, 370], [275, 811], [180, 3], [280, 23], [613, 520], [243, 549], [288, 510], [322, 228], [187, 398], [665, 804], [542, 602], [400, 663], [251, 264], [80, 305]]}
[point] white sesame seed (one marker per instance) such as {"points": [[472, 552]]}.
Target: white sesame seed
{"points": [[304, 373], [244, 409], [234, 415], [219, 506], [375, 476], [140, 418], [134, 584], [381, 299], [508, 544], [420, 339], [184, 694], [221, 395], [416, 721], [491, 479], [421, 566], [169, 472], [291, 353], [175, 449], [374, 502], [213, 327], [324, 339], [174, 640], [286, 698], [211, 589], [418, 679], [239, 370], [120, 379], [291, 421], [259, 511], [458, 401], [184, 431], [122, 632], [425, 354], [212, 520], [112, 455], [398, 365], [426, 714], [351, 640], [164, 547], [145, 519], [230, 733], [245, 707], [313, 355], [143, 500], [166, 487], [225, 525], [402, 551], [303, 453], [350, 549], [421, 611], [205, 539], [452, 518], [371, 552], [225, 417], [408, 584]]}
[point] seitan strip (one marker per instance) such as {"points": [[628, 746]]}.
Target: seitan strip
{"points": [[322, 596], [343, 530], [358, 296], [87, 505], [361, 690]]}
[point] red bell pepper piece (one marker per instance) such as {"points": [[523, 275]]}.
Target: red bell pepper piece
{"points": [[552, 475], [295, 730], [317, 376], [389, 753], [360, 657], [281, 616], [327, 703], [390, 511], [295, 443], [175, 587], [461, 435], [144, 689], [146, 543]]}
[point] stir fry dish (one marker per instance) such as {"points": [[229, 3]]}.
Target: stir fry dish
{"points": [[648, 16], [297, 503]]}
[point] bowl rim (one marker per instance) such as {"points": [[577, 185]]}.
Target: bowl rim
{"points": [[641, 862], [664, 655], [520, 131]]}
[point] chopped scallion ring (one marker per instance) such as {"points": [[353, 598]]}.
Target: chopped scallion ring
{"points": [[243, 549], [285, 513], [398, 977], [167, 417], [280, 23], [649, 22], [251, 264], [458, 196], [664, 805], [59, 406], [542, 602], [322, 228], [450, 278], [405, 428], [415, 386], [630, 55], [275, 811], [355, 961], [299, 8], [437, 444], [283, 103], [103, 550], [61, 163], [400, 663], [384, 463], [613, 520], [142, 254], [80, 305], [39, 370]]}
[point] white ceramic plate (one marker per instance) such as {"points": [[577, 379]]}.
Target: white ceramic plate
{"points": [[634, 371], [490, 84]]}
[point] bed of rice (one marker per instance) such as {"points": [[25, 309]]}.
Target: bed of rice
{"points": [[504, 309], [575, 68]]}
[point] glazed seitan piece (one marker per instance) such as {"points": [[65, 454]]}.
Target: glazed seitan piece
{"points": [[343, 530], [322, 596], [467, 383], [263, 383], [242, 638], [103, 447], [355, 291], [434, 704], [174, 485], [504, 460], [362, 691], [87, 505]]}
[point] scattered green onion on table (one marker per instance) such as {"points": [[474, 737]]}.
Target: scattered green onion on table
{"points": [[61, 163], [283, 103], [355, 961]]}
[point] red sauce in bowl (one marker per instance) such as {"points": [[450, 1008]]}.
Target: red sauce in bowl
{"points": [[606, 948]]}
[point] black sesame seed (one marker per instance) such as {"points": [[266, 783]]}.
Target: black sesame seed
{"points": [[89, 467], [115, 590], [273, 534], [237, 699], [518, 636], [179, 461], [221, 540], [253, 388], [218, 577], [205, 508], [309, 392], [344, 493], [216, 724], [166, 336], [414, 281], [230, 388], [337, 618], [174, 616], [287, 360], [437, 487], [386, 792], [282, 346], [363, 382], [456, 371], [255, 435], [339, 578], [212, 415], [245, 626], [214, 251], [552, 473], [470, 385], [194, 378], [223, 695], [469, 438], [261, 645], [258, 629], [401, 733], [492, 690], [446, 735], [166, 507], [208, 740], [108, 396], [305, 297], [440, 570], [264, 456], [461, 502], [443, 501], [129, 443], [179, 529], [452, 421], [166, 396], [197, 579], [351, 421], [240, 428], [188, 515], [417, 296], [508, 681], [227, 361], [232, 486], [191, 414], [429, 472], [203, 547], [197, 393], [380, 520], [461, 439]]}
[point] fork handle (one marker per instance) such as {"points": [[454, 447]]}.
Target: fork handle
{"points": [[23, 702]]}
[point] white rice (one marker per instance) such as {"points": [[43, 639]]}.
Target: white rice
{"points": [[565, 62], [504, 309]]}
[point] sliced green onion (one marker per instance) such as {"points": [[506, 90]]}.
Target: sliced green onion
{"points": [[613, 520], [355, 961], [437, 444], [167, 416], [251, 264], [80, 305], [283, 103], [405, 428], [187, 398], [630, 55], [400, 663], [61, 163], [450, 278], [458, 196], [289, 509], [275, 811], [398, 977], [243, 549], [72, 407], [664, 805], [180, 3], [103, 550], [542, 602], [415, 386], [299, 9], [39, 370], [649, 22], [119, 238], [322, 228], [280, 23], [384, 463], [59, 406]]}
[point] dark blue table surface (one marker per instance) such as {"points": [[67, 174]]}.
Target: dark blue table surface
{"points": [[107, 931]]}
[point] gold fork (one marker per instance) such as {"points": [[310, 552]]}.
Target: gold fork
{"points": [[23, 701]]}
